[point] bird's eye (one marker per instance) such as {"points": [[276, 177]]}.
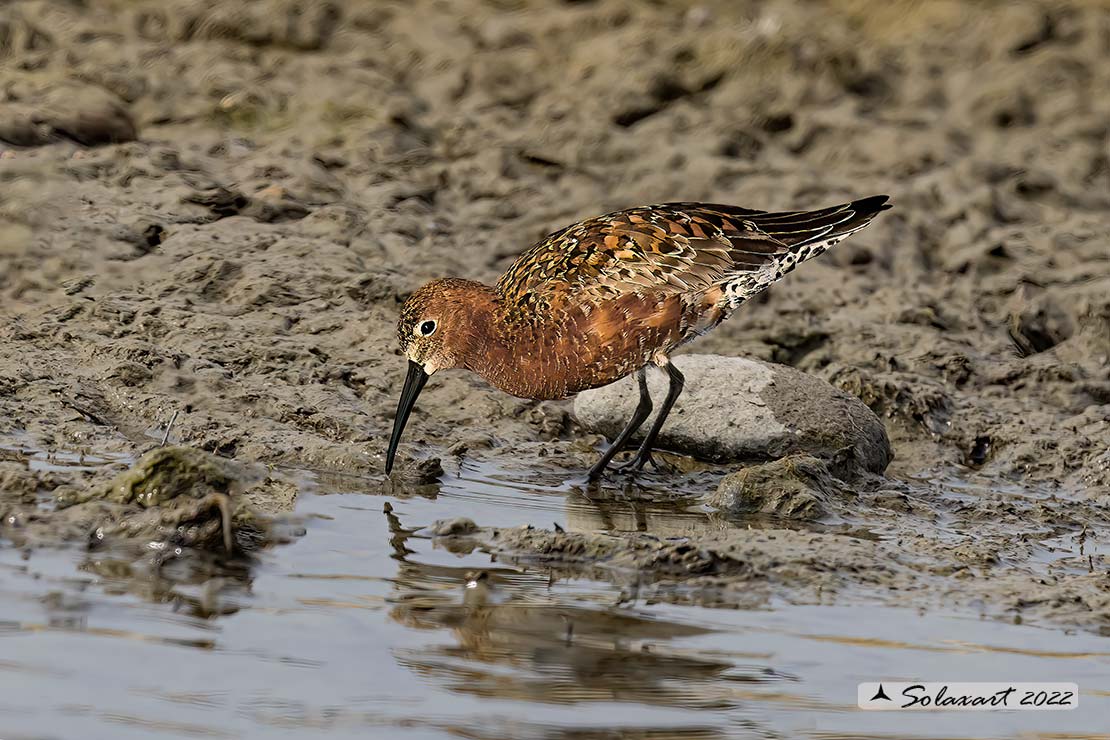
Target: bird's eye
{"points": [[427, 328]]}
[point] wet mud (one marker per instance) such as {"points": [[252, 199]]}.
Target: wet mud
{"points": [[213, 210]]}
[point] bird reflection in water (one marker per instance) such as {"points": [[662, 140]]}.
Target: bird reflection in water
{"points": [[518, 638]]}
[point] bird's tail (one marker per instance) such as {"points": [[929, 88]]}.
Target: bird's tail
{"points": [[806, 234], [811, 232]]}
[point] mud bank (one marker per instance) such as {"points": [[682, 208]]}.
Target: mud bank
{"points": [[754, 568], [215, 209]]}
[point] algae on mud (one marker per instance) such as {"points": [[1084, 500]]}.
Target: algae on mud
{"points": [[185, 486], [176, 496], [793, 487]]}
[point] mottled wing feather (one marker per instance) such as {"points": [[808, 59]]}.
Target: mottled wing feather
{"points": [[670, 248]]}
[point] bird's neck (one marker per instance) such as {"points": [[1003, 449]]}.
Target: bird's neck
{"points": [[507, 355]]}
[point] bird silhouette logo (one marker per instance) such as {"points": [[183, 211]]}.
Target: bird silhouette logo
{"points": [[880, 694]]}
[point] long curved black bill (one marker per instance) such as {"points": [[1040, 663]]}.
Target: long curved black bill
{"points": [[414, 383]]}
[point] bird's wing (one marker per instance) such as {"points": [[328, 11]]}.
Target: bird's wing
{"points": [[673, 248]]}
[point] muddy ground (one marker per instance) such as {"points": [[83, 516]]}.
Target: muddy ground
{"points": [[216, 208]]}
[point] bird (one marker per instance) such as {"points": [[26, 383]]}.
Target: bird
{"points": [[609, 297]]}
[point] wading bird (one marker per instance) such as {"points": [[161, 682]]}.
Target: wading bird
{"points": [[606, 297]]}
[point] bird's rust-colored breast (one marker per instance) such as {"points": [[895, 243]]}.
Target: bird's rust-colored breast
{"points": [[579, 346]]}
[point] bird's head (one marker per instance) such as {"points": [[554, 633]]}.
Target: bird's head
{"points": [[441, 327]]}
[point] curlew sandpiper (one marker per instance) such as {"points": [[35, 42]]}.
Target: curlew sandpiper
{"points": [[606, 297]]}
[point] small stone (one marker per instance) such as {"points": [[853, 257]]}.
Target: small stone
{"points": [[87, 115], [428, 471], [1037, 323], [90, 115], [274, 204], [454, 527]]}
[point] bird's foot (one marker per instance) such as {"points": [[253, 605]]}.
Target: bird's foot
{"points": [[637, 463]]}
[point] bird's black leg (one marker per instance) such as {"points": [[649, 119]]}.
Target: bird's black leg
{"points": [[643, 410], [643, 455]]}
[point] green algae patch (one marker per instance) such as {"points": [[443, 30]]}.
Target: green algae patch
{"points": [[795, 487], [181, 495], [167, 473]]}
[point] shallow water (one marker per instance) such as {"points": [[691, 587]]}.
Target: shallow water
{"points": [[363, 627]]}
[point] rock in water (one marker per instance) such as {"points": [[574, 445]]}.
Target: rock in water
{"points": [[738, 410]]}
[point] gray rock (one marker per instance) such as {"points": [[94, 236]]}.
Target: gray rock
{"points": [[735, 409], [86, 114], [89, 115]]}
